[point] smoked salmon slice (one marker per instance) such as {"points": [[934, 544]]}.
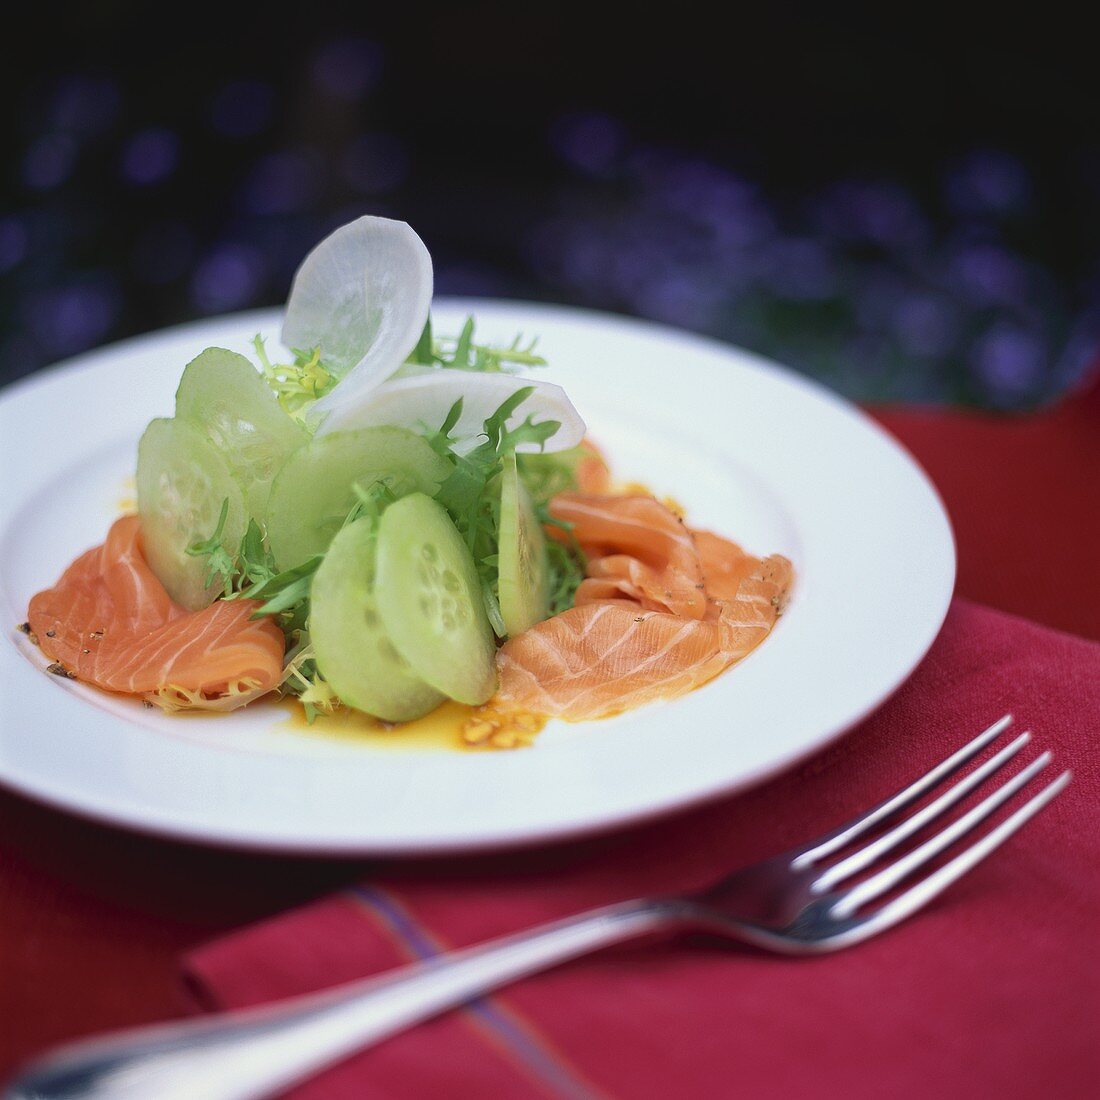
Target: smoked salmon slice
{"points": [[725, 565], [593, 473], [110, 622], [661, 611], [636, 549]]}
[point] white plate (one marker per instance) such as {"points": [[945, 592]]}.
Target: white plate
{"points": [[750, 449]]}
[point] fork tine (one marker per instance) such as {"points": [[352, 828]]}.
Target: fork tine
{"points": [[905, 797], [920, 894], [863, 858], [890, 876]]}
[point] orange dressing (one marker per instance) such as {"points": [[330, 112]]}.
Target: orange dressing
{"points": [[127, 502], [638, 488], [451, 727]]}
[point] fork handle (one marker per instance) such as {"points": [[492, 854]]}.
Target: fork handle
{"points": [[249, 1054]]}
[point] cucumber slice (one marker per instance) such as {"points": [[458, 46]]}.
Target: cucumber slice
{"points": [[430, 600], [314, 491], [354, 652], [182, 481], [523, 584], [224, 395]]}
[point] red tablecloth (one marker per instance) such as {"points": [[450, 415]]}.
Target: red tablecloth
{"points": [[93, 922]]}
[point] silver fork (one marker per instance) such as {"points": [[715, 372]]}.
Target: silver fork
{"points": [[794, 904]]}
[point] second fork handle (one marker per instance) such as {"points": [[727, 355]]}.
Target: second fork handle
{"points": [[250, 1054]]}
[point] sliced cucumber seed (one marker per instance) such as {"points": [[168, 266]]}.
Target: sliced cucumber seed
{"points": [[354, 651], [445, 636]]}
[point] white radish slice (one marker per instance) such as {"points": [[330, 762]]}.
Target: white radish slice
{"points": [[422, 401], [362, 296]]}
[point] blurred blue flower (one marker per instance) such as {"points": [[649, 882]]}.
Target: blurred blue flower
{"points": [[347, 68], [800, 269], [1008, 361], [692, 188], [228, 278], [69, 318], [583, 259], [678, 297], [13, 243], [885, 296], [877, 294], [880, 213], [989, 275], [989, 182], [712, 198], [633, 261], [926, 326], [150, 156], [589, 142], [283, 183]]}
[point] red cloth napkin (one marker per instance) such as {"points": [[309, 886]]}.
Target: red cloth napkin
{"points": [[992, 991]]}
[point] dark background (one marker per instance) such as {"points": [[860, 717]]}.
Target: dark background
{"points": [[905, 210]]}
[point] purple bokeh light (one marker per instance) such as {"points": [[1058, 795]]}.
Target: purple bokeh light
{"points": [[681, 296], [69, 318], [989, 182], [883, 214], [284, 183], [926, 325], [1008, 361], [800, 269], [930, 284], [150, 156], [14, 240], [227, 278], [989, 275], [589, 142]]}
